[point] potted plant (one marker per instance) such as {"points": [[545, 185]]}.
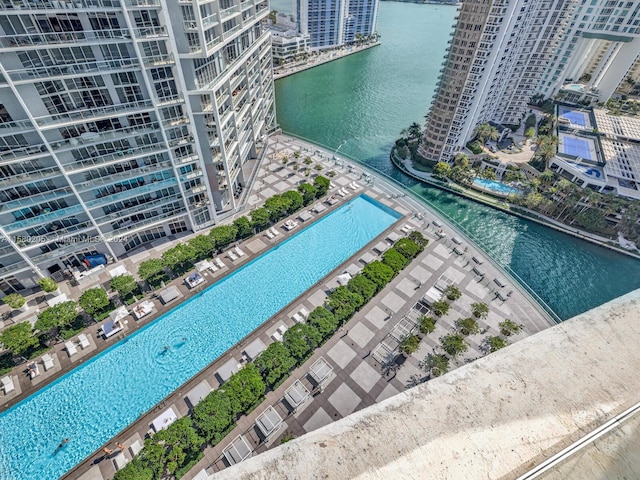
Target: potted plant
{"points": [[16, 301], [48, 285]]}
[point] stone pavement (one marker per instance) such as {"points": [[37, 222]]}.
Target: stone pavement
{"points": [[358, 379]]}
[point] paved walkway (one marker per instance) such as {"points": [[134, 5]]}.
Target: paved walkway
{"points": [[319, 59], [361, 375]]}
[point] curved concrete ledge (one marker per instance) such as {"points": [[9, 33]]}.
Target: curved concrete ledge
{"points": [[495, 418]]}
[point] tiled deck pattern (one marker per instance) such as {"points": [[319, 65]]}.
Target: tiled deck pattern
{"points": [[358, 379]]}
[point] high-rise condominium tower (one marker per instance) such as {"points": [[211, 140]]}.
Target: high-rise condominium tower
{"points": [[599, 46], [127, 119], [497, 54], [333, 23]]}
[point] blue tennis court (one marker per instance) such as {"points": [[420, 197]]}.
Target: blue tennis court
{"points": [[577, 118], [577, 147]]}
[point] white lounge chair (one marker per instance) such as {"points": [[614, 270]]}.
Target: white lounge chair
{"points": [[135, 448], [269, 234], [213, 268], [298, 318], [84, 341], [277, 336], [219, 262], [354, 186], [7, 384], [275, 231], [120, 461], [232, 256], [47, 361], [304, 312], [239, 251], [407, 229], [71, 348], [342, 193]]}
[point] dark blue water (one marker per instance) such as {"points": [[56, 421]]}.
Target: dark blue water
{"points": [[360, 104]]}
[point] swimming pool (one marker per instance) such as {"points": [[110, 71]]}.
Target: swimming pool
{"points": [[495, 187], [94, 402]]}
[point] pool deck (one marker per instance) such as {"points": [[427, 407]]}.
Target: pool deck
{"points": [[363, 381]]}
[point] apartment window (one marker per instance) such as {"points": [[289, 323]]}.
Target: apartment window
{"points": [[177, 227]]}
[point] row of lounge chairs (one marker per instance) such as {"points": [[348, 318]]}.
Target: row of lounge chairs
{"points": [[235, 253], [70, 346], [272, 232]]}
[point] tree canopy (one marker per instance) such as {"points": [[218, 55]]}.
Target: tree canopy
{"points": [[275, 363], [94, 300], [18, 338], [59, 315]]}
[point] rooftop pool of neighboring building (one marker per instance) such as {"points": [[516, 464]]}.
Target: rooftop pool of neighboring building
{"points": [[95, 401], [496, 187]]}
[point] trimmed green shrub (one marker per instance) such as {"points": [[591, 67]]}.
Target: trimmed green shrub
{"points": [[322, 185], [480, 309], [454, 344], [301, 339], [467, 326], [408, 248], [427, 324], [151, 269], [308, 192], [176, 258], [452, 292], [134, 470], [245, 388], [260, 219], [202, 246], [363, 287], [323, 320], [440, 308], [295, 200], [493, 344], [14, 300], [435, 365], [125, 285], [59, 315], [394, 259], [410, 344], [342, 302], [275, 363], [213, 416], [223, 235], [94, 300], [509, 327], [418, 238], [47, 284], [243, 226], [278, 207], [19, 338], [379, 273]]}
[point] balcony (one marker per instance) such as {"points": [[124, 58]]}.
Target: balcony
{"points": [[37, 199], [158, 60], [150, 32], [44, 217], [53, 38], [61, 5], [57, 234], [14, 268], [191, 175], [109, 218], [139, 224], [76, 69], [142, 3], [119, 156], [92, 138], [19, 126], [94, 113], [210, 21], [30, 177], [132, 192], [116, 177]]}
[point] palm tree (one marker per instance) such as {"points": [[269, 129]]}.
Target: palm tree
{"points": [[483, 132], [414, 130], [546, 176]]}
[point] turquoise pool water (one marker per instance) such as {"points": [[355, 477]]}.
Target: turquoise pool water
{"points": [[497, 187], [94, 402]]}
